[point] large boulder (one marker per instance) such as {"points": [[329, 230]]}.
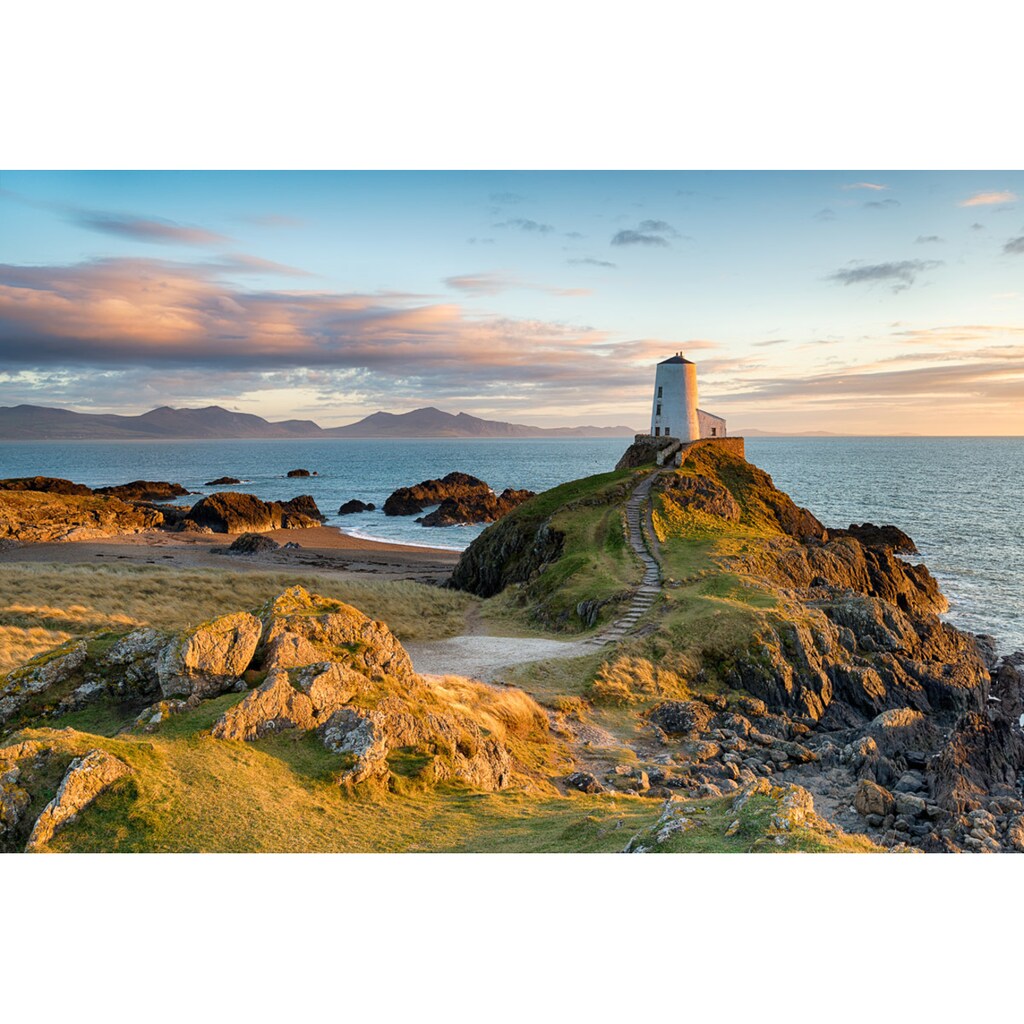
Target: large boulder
{"points": [[688, 718], [144, 490], [231, 512], [209, 660], [301, 505], [252, 544], [407, 501], [303, 628], [86, 778], [871, 798]]}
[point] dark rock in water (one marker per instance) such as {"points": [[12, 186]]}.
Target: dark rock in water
{"points": [[252, 544], [45, 484], [144, 490], [889, 538], [222, 480], [355, 505], [477, 508], [407, 501], [299, 472]]}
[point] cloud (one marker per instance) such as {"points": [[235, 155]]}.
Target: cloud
{"points": [[240, 263], [142, 229], [928, 239], [576, 235], [589, 261], [770, 341], [659, 226], [825, 215], [524, 224], [480, 241], [870, 185], [630, 237], [882, 204], [977, 227], [1014, 245], [495, 283], [988, 199], [901, 274], [509, 198]]}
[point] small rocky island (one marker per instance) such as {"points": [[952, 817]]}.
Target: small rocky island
{"points": [[461, 499]]}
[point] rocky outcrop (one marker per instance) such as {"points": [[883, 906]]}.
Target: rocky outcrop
{"points": [[514, 550], [210, 659], [302, 629], [299, 472], [43, 484], [702, 494], [232, 512], [354, 506], [86, 778], [39, 676], [644, 451], [144, 490], [478, 508], [889, 538], [252, 544], [407, 501], [36, 517], [222, 481]]}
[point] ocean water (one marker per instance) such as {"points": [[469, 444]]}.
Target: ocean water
{"points": [[959, 498]]}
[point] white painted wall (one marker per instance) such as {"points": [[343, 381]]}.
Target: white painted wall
{"points": [[674, 407]]}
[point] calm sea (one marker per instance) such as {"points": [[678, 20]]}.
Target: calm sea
{"points": [[959, 498]]}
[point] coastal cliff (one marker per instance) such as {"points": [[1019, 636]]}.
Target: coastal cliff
{"points": [[832, 638]]}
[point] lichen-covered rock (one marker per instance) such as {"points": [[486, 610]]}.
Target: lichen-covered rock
{"points": [[14, 801], [303, 628], [208, 660], [86, 778], [301, 699], [39, 675]]}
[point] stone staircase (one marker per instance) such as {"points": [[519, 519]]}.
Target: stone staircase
{"points": [[650, 587]]}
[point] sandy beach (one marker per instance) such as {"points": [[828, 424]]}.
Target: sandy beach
{"points": [[323, 548]]}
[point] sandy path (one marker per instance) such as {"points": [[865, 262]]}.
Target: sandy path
{"points": [[488, 657]]}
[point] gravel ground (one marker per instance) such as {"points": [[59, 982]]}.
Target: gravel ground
{"points": [[484, 657]]}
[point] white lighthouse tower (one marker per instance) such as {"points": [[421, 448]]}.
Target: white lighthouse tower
{"points": [[674, 409]]}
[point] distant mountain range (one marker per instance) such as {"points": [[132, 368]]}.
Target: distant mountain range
{"points": [[39, 423]]}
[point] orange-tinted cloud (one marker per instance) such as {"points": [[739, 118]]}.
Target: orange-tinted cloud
{"points": [[989, 199]]}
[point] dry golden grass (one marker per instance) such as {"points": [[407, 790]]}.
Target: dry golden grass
{"points": [[629, 680], [43, 605]]}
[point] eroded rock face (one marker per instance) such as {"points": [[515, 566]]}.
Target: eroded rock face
{"points": [[86, 779], [210, 659], [889, 538], [478, 508], [35, 517], [407, 501]]}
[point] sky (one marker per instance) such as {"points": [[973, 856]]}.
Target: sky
{"points": [[871, 302]]}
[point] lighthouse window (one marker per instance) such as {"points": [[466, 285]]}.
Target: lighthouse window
{"points": [[658, 413], [659, 392], [657, 431], [714, 431]]}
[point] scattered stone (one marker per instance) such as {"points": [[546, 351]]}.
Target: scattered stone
{"points": [[584, 782]]}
